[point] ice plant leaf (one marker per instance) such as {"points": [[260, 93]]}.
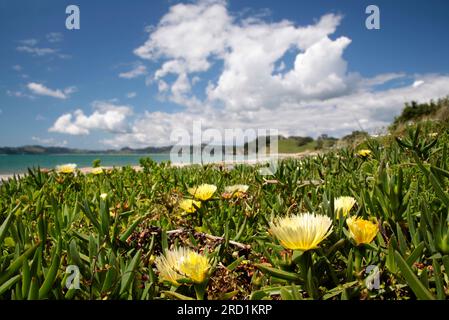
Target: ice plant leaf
{"points": [[177, 295], [8, 284], [128, 275], [51, 273], [438, 280], [17, 263], [416, 254], [5, 225], [415, 284], [130, 229], [278, 273], [434, 181]]}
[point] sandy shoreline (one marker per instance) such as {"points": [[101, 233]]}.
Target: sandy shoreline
{"points": [[86, 170]]}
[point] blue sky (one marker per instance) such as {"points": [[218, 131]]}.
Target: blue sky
{"points": [[137, 71]]}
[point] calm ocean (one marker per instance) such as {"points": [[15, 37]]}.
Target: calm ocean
{"points": [[10, 164]]}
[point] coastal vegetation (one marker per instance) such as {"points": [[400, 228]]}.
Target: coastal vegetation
{"points": [[369, 220], [414, 111]]}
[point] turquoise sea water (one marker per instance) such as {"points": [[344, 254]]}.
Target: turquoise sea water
{"points": [[10, 164]]}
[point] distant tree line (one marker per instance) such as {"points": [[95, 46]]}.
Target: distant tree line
{"points": [[415, 111]]}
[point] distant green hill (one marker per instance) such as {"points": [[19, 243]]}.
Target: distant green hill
{"points": [[300, 144], [60, 150]]}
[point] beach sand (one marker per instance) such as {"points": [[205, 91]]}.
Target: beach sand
{"points": [[4, 177]]}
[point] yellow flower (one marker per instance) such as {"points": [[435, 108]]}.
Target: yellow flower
{"points": [[203, 192], [236, 191], [188, 205], [343, 205], [362, 231], [66, 168], [365, 153], [182, 263], [301, 232], [96, 171], [103, 196]]}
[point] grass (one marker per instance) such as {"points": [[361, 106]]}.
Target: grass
{"points": [[112, 227], [291, 146]]}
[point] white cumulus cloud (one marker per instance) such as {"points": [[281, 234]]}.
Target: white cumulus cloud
{"points": [[337, 116], [190, 38], [137, 71], [40, 89], [107, 116], [230, 71]]}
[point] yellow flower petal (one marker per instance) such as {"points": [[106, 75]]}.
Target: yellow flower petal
{"points": [[343, 205], [365, 153], [301, 232], [362, 231], [182, 263], [203, 192], [66, 168], [236, 191], [188, 205], [96, 171]]}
